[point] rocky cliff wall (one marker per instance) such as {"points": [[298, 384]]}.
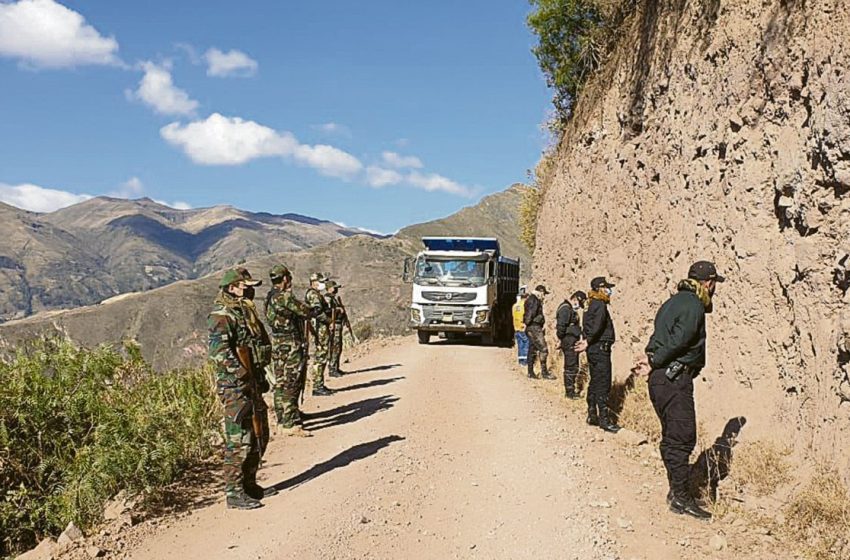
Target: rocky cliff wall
{"points": [[720, 129]]}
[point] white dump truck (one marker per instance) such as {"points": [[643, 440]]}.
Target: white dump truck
{"points": [[461, 286]]}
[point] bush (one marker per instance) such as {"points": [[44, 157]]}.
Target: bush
{"points": [[818, 518], [77, 426], [528, 209]]}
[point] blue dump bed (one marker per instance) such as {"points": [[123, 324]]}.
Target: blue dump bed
{"points": [[461, 244]]}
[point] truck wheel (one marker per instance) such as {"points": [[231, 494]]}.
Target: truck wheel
{"points": [[424, 337], [487, 339]]}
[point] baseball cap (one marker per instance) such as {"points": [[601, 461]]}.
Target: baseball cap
{"points": [[331, 284], [542, 289], [279, 271], [704, 270], [234, 275], [600, 282], [317, 277], [580, 296]]}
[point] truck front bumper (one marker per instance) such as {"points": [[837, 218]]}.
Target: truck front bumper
{"points": [[450, 318]]}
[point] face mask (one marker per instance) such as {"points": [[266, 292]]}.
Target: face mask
{"points": [[321, 286], [609, 291], [576, 307]]}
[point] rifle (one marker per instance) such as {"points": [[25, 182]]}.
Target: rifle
{"points": [[308, 328], [244, 355], [347, 320]]}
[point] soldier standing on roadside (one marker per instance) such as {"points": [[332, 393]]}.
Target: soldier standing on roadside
{"points": [[534, 321], [339, 319], [674, 357], [286, 316], [320, 326], [568, 330], [599, 337], [232, 333]]}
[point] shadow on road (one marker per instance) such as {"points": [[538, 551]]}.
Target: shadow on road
{"points": [[373, 383], [376, 368], [347, 413], [356, 453]]}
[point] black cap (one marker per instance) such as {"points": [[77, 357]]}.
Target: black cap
{"points": [[580, 296], [542, 289], [600, 282], [704, 270]]}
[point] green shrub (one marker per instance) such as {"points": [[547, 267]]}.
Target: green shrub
{"points": [[77, 426]]}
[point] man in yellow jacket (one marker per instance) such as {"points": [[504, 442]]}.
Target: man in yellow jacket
{"points": [[519, 327]]}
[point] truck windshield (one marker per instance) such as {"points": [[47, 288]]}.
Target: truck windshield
{"points": [[450, 272]]}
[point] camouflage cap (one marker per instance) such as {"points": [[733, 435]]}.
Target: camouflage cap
{"points": [[279, 271], [317, 277], [234, 275], [331, 284]]}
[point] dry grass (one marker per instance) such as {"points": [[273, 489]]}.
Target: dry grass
{"points": [[761, 466], [634, 409], [818, 518]]}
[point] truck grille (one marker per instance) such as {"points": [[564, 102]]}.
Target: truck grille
{"points": [[436, 313], [459, 297]]}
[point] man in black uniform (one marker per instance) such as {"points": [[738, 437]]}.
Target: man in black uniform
{"points": [[675, 355], [568, 330], [599, 337], [534, 321]]}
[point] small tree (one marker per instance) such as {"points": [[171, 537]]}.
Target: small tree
{"points": [[528, 208]]}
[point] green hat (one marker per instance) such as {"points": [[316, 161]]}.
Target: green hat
{"points": [[279, 271], [234, 275], [331, 284]]}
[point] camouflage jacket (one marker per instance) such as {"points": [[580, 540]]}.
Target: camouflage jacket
{"points": [[286, 315], [322, 310], [337, 310], [230, 328]]}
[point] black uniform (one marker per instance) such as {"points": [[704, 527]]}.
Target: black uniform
{"points": [[534, 321], [599, 332], [677, 355], [568, 330]]}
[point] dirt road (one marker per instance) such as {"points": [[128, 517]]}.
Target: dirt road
{"points": [[442, 451]]}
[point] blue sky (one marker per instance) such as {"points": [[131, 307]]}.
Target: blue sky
{"points": [[375, 114]]}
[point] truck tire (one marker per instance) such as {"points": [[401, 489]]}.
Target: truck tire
{"points": [[423, 336]]}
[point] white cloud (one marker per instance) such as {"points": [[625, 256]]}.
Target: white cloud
{"points": [[379, 177], [157, 90], [229, 64], [45, 34], [38, 199], [432, 182], [400, 162], [332, 128], [177, 205], [220, 140], [131, 188]]}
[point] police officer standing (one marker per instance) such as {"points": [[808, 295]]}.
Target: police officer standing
{"points": [[568, 330], [675, 356], [233, 333], [534, 321], [320, 327], [286, 316], [599, 337]]}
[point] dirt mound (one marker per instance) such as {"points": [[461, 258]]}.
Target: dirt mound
{"points": [[721, 130]]}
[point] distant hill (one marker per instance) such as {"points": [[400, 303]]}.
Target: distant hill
{"points": [[102, 247], [170, 322]]}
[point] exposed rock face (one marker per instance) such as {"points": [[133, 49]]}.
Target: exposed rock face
{"points": [[720, 129]]}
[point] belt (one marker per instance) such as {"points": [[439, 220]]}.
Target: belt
{"points": [[676, 369], [604, 345]]}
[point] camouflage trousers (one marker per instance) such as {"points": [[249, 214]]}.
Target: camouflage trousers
{"points": [[242, 446], [335, 351], [320, 356], [290, 377]]}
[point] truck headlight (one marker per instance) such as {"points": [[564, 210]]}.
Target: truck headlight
{"points": [[415, 316], [481, 316]]}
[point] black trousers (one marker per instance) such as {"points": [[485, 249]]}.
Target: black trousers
{"points": [[537, 345], [570, 361], [674, 404], [599, 364]]}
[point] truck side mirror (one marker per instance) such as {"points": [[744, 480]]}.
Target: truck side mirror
{"points": [[407, 276]]}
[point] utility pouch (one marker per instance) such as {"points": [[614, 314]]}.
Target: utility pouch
{"points": [[674, 370]]}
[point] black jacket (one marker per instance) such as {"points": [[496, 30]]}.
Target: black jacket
{"points": [[567, 322], [598, 326], [533, 312], [679, 332]]}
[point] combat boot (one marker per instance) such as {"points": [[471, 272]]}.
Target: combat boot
{"points": [[243, 501], [257, 492], [572, 394], [688, 506], [295, 431], [531, 374], [604, 420], [322, 392], [546, 374], [592, 416], [334, 373]]}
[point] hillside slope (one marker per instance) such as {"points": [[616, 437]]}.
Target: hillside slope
{"points": [[170, 322], [105, 246], [721, 130]]}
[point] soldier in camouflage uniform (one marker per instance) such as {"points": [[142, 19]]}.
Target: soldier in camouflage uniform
{"points": [[286, 316], [338, 316], [232, 328], [320, 335]]}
